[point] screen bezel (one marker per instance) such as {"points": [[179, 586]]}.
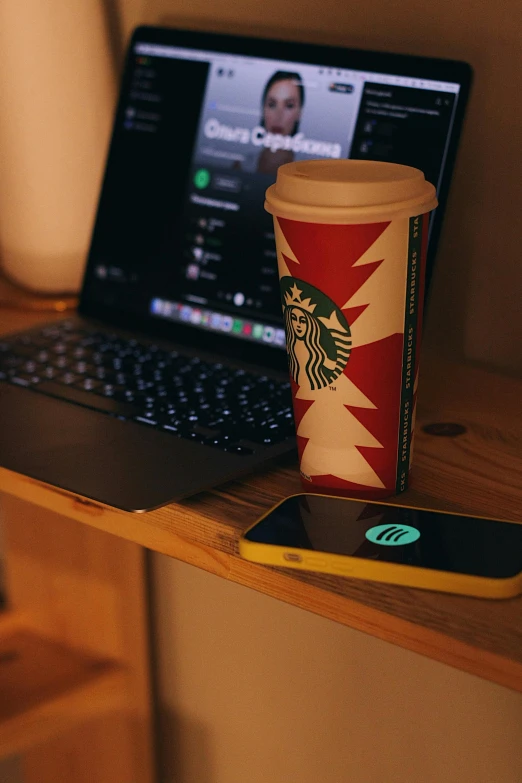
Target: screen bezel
{"points": [[314, 54]]}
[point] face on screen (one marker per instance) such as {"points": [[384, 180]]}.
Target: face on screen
{"points": [[282, 107]]}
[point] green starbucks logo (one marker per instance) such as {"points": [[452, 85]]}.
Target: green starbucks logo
{"points": [[317, 334]]}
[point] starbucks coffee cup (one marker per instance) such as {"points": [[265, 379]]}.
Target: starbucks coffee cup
{"points": [[351, 241]]}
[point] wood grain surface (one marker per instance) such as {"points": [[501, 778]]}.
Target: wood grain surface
{"points": [[479, 471]]}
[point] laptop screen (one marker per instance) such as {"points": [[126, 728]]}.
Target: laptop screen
{"points": [[203, 122]]}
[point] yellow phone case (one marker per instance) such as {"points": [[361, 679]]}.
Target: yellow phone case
{"points": [[375, 570]]}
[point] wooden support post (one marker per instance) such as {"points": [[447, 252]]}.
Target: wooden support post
{"points": [[75, 635]]}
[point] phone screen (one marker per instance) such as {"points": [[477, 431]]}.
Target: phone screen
{"points": [[394, 534]]}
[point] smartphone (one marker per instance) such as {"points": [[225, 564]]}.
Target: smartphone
{"points": [[434, 550]]}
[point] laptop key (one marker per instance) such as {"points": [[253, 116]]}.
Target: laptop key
{"points": [[67, 378], [237, 448], [145, 420], [20, 379], [60, 363], [171, 426], [88, 384]]}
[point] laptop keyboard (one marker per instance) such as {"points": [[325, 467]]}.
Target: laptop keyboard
{"points": [[223, 407]]}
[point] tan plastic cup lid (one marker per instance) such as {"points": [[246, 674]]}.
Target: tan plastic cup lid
{"points": [[349, 191]]}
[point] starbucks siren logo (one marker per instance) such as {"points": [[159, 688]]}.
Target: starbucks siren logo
{"points": [[318, 337]]}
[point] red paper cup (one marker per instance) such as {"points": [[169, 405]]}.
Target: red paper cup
{"points": [[351, 242]]}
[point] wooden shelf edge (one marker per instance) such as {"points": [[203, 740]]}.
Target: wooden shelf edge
{"points": [[341, 609], [133, 527], [46, 687]]}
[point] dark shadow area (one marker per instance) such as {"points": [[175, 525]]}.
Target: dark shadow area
{"points": [[182, 744], [11, 770], [115, 33], [184, 753]]}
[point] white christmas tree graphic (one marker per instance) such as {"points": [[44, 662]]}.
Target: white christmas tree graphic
{"points": [[334, 433], [383, 316]]}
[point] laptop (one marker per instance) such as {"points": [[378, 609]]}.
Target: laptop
{"points": [[172, 377]]}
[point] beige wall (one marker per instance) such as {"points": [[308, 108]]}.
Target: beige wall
{"points": [[254, 690]]}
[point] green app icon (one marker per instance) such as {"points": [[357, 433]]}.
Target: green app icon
{"points": [[202, 178], [257, 331], [237, 326], [392, 535]]}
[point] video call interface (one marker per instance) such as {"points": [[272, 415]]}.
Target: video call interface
{"points": [[181, 233]]}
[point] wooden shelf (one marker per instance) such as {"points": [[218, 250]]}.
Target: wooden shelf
{"points": [[46, 687], [477, 472]]}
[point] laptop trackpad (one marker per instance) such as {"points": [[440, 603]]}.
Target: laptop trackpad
{"points": [[94, 455]]}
